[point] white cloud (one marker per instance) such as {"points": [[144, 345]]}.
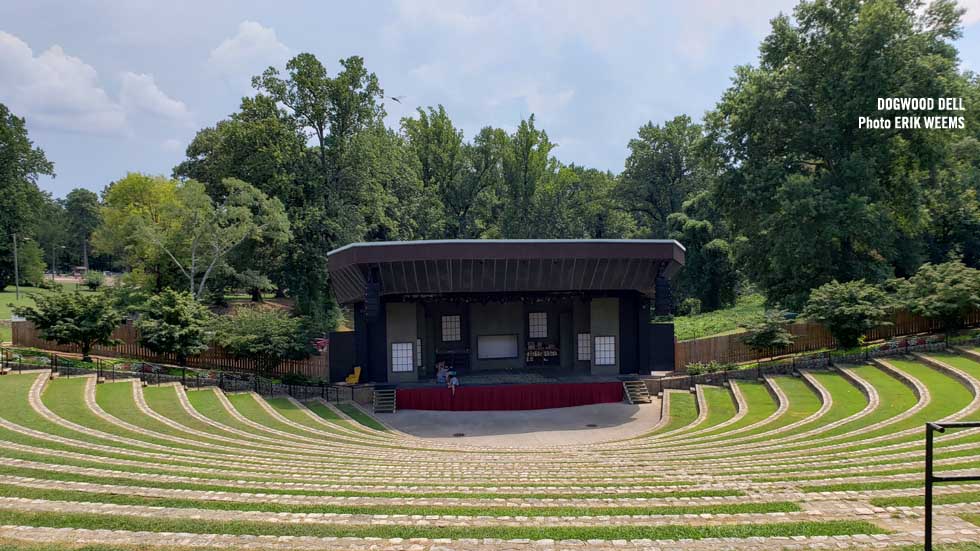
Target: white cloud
{"points": [[972, 11], [172, 145], [55, 90], [249, 51], [140, 93]]}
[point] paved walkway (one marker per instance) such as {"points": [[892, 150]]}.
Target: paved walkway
{"points": [[543, 427]]}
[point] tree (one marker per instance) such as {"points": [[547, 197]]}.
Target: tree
{"points": [[817, 198], [82, 212], [666, 165], [129, 206], [267, 335], [154, 220], [333, 109], [769, 334], [21, 202], [709, 273], [946, 292], [94, 279], [526, 164], [848, 310], [82, 319], [173, 322]]}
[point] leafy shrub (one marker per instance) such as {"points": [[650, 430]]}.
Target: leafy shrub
{"points": [[296, 379], [94, 279], [690, 306]]}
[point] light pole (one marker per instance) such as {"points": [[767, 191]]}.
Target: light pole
{"points": [[54, 259], [17, 268]]}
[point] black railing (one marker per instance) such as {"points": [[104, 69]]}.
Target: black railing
{"points": [[931, 478]]}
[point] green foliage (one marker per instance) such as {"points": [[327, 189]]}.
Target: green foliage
{"points": [[83, 319], [719, 322], [30, 263], [269, 335], [690, 307], [848, 310], [21, 201], [817, 199], [947, 292], [701, 368], [173, 322], [158, 223], [81, 208], [94, 279], [769, 334], [666, 165]]}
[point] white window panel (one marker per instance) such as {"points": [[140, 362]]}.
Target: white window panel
{"points": [[537, 325], [401, 357], [584, 346], [605, 351], [451, 329]]}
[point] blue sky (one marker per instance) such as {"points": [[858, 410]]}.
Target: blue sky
{"points": [[109, 87]]}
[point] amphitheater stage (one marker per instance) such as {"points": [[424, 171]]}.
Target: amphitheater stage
{"points": [[542, 427]]}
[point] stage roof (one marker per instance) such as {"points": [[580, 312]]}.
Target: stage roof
{"points": [[502, 266]]}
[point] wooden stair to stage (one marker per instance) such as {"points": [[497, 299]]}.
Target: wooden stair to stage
{"points": [[385, 400], [635, 392]]}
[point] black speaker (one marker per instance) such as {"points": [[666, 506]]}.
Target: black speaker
{"points": [[372, 301], [663, 301]]}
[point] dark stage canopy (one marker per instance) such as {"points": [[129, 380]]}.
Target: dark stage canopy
{"points": [[501, 266]]}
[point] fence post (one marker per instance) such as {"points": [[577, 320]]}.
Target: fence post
{"points": [[221, 380], [928, 496], [183, 376]]}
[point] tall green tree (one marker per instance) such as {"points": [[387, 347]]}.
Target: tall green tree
{"points": [[82, 319], [527, 164], [158, 221], [666, 165], [21, 202], [817, 198], [82, 218], [709, 273]]}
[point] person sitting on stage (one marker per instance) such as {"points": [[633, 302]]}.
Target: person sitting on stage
{"points": [[453, 382], [441, 372]]}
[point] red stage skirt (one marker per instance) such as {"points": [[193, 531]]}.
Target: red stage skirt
{"points": [[509, 397]]}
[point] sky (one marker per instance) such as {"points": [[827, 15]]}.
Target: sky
{"points": [[110, 87]]}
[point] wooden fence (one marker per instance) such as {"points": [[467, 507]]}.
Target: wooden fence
{"points": [[314, 367], [810, 337]]}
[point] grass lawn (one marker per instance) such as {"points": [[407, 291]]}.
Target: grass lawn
{"points": [[719, 322], [197, 526], [10, 490]]}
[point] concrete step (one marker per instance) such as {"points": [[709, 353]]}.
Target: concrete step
{"points": [[385, 401], [636, 392]]}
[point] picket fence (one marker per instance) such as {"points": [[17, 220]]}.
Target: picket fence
{"points": [[810, 337], [314, 367]]}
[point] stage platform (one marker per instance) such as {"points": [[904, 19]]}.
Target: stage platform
{"points": [[503, 391]]}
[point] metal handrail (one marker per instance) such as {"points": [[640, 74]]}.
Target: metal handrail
{"points": [[931, 479]]}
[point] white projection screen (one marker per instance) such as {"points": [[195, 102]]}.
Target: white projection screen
{"points": [[495, 347]]}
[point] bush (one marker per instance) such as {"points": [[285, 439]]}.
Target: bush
{"points": [[690, 306], [296, 379], [848, 310], [267, 335], [699, 368], [94, 280]]}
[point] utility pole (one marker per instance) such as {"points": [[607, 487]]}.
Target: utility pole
{"points": [[16, 271]]}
